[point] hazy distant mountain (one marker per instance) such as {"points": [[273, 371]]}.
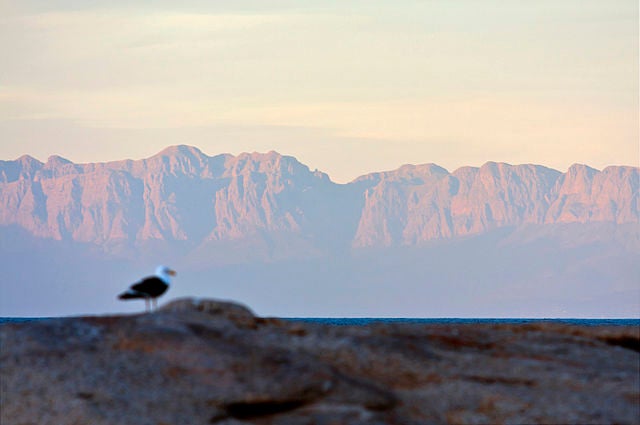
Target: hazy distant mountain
{"points": [[218, 211], [182, 194], [179, 194]]}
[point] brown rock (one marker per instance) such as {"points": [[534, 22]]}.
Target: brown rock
{"points": [[209, 362]]}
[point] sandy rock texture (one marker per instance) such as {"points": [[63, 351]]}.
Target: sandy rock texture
{"points": [[210, 362]]}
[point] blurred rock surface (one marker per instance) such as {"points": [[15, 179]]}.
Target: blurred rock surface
{"points": [[210, 362]]}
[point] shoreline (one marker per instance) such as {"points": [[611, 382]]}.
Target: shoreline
{"points": [[364, 321]]}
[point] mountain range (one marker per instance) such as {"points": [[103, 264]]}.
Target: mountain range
{"points": [[266, 211]]}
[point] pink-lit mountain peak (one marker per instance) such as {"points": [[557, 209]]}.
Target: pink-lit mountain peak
{"points": [[182, 194]]}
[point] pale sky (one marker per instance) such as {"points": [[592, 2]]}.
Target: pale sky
{"points": [[348, 87]]}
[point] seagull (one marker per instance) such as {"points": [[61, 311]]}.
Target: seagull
{"points": [[150, 288]]}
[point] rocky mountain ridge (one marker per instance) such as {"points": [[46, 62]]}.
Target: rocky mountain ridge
{"points": [[493, 241], [181, 194]]}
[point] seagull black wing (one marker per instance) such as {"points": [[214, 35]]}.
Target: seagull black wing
{"points": [[150, 286]]}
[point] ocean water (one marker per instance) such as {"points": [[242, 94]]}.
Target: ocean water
{"points": [[369, 320], [362, 321]]}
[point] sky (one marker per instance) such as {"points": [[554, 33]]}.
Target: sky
{"points": [[347, 87]]}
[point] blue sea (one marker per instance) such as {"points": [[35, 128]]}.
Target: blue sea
{"points": [[369, 320], [362, 321]]}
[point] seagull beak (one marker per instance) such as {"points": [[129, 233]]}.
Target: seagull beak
{"points": [[172, 272]]}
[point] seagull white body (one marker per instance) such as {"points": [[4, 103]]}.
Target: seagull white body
{"points": [[150, 288]]}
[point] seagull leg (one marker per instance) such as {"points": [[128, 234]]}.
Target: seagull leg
{"points": [[146, 304]]}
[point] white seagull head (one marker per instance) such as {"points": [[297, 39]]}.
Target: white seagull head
{"points": [[165, 273]]}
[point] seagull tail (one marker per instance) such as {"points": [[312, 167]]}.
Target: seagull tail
{"points": [[127, 295]]}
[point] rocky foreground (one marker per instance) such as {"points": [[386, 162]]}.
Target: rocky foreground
{"points": [[208, 362]]}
